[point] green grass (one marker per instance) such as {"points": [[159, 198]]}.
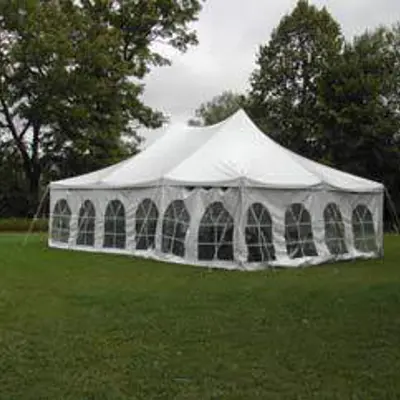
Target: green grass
{"points": [[92, 326]]}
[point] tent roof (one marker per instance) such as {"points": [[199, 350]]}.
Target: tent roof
{"points": [[233, 152]]}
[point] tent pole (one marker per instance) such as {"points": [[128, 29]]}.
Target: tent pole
{"points": [[241, 228]]}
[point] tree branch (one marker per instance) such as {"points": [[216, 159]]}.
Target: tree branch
{"points": [[10, 122], [18, 141], [26, 127], [35, 141]]}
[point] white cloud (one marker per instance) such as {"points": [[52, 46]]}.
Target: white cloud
{"points": [[230, 33]]}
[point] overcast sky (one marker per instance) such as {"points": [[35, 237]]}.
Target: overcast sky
{"points": [[230, 32]]}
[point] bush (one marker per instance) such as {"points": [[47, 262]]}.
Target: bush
{"points": [[23, 225]]}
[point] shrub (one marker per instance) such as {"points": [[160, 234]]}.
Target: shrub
{"points": [[23, 225]]}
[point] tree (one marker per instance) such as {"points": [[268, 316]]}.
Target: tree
{"points": [[392, 42], [359, 98], [283, 94], [71, 75], [218, 109]]}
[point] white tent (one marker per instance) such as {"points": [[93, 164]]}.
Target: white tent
{"points": [[224, 196]]}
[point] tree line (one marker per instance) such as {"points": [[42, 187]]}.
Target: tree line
{"points": [[71, 85], [333, 100]]}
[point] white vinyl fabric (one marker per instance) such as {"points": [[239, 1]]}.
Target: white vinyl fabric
{"points": [[222, 196]]}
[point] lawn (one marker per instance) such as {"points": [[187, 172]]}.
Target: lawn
{"points": [[90, 326]]}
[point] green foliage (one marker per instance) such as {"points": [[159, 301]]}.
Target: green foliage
{"points": [[23, 225], [359, 123], [71, 75], [283, 95], [218, 109], [359, 98], [392, 46], [94, 326], [336, 102]]}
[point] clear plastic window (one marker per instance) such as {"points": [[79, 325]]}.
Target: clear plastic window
{"points": [[86, 224], [114, 225], [298, 232], [334, 230], [259, 234], [175, 225], [215, 240], [146, 225], [363, 229], [60, 228]]}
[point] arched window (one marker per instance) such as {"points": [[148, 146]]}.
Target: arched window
{"points": [[259, 234], [86, 224], [216, 234], [61, 221], [114, 225], [175, 225], [298, 232], [146, 225], [363, 229], [334, 230]]}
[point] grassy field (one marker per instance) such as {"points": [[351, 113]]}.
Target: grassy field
{"points": [[89, 326]]}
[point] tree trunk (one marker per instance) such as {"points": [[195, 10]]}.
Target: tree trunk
{"points": [[35, 170], [34, 190]]}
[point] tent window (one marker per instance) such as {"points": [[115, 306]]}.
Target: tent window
{"points": [[114, 225], [259, 234], [86, 224], [61, 222], [334, 230], [363, 229], [298, 232], [175, 226], [215, 240], [146, 225]]}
